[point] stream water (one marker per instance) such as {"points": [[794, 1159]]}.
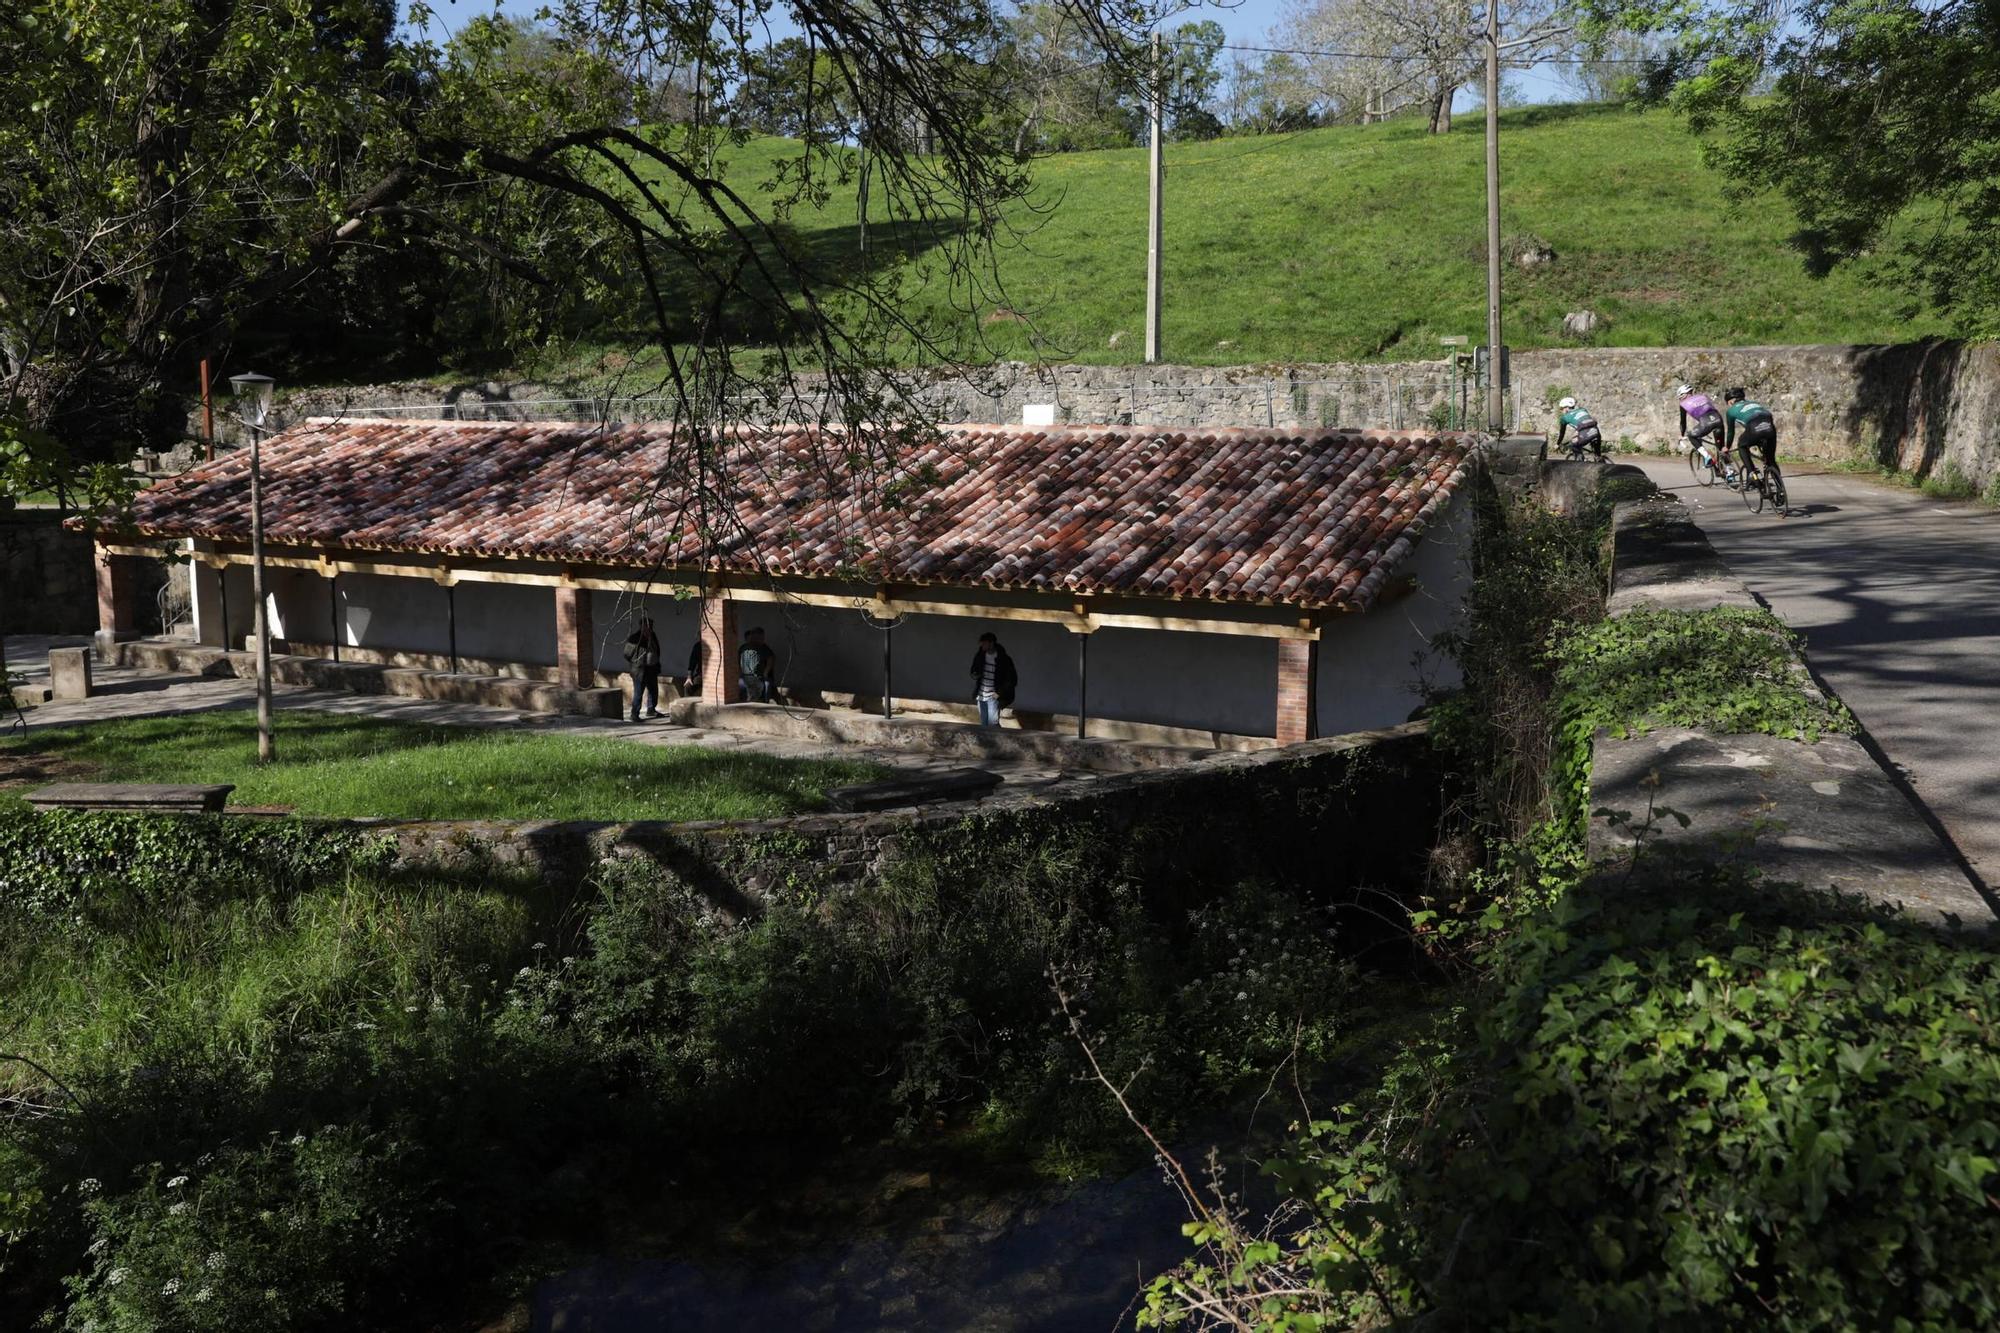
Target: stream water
{"points": [[1053, 1260]]}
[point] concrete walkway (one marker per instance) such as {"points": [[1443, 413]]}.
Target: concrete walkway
{"points": [[1898, 597], [122, 693]]}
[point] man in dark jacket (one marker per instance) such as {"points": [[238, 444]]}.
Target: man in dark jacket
{"points": [[993, 680], [642, 654], [755, 666]]}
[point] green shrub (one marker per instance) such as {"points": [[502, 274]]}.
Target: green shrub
{"points": [[1737, 1110], [77, 868], [291, 1233], [1728, 669]]}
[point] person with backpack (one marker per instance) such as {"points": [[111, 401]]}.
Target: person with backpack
{"points": [[994, 680], [642, 656], [755, 665], [1588, 436]]}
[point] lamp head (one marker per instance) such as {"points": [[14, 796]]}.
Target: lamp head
{"points": [[254, 392]]}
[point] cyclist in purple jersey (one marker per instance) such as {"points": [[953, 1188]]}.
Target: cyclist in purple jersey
{"points": [[1700, 419]]}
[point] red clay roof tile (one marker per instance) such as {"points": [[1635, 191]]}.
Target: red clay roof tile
{"points": [[1311, 521]]}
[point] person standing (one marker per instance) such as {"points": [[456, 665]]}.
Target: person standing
{"points": [[755, 666], [695, 656], [642, 654], [993, 680]]}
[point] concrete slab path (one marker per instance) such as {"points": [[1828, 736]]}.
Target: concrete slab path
{"points": [[122, 693], [1898, 597]]}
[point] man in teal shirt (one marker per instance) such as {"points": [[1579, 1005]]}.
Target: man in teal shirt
{"points": [[1757, 425], [1588, 436]]}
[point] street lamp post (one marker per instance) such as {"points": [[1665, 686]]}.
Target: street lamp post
{"points": [[1495, 415], [254, 393]]}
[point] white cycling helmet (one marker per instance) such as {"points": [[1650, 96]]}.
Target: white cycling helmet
{"points": [[1683, 391], [1566, 404]]}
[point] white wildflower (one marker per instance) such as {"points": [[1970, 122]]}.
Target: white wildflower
{"points": [[214, 1262], [90, 1185], [173, 1285], [204, 1295], [117, 1275], [177, 1209], [296, 1140], [177, 1182]]}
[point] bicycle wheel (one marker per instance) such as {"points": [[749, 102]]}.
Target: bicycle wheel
{"points": [[1779, 500], [1703, 473], [1753, 492]]}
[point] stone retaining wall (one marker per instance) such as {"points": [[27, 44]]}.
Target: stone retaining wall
{"points": [[1917, 405], [50, 582], [1329, 816]]}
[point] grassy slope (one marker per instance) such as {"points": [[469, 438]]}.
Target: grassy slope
{"points": [[352, 767], [1368, 242]]}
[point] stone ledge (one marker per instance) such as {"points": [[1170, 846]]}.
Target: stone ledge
{"points": [[1660, 558], [1823, 815], [529, 696], [936, 736]]}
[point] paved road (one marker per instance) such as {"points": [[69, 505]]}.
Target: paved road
{"points": [[1898, 597]]}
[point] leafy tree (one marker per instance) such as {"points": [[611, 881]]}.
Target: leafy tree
{"points": [[1879, 126], [1393, 52], [173, 169]]}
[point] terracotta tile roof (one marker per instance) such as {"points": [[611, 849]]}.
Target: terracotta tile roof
{"points": [[1313, 520]]}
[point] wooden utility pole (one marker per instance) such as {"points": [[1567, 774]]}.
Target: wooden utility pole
{"points": [[1495, 415], [1153, 228]]}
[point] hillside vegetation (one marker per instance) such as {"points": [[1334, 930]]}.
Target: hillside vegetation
{"points": [[1368, 242]]}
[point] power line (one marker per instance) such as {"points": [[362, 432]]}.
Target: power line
{"points": [[1376, 55]]}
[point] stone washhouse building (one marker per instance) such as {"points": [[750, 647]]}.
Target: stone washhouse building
{"points": [[1228, 587]]}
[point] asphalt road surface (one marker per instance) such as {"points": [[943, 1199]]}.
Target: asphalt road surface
{"points": [[1898, 597]]}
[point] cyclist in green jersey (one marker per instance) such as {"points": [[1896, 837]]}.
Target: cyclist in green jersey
{"points": [[1754, 420], [1588, 436]]}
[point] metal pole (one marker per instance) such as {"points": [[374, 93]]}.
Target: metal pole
{"points": [[888, 675], [1494, 415], [266, 751], [1082, 683], [1153, 226], [451, 622]]}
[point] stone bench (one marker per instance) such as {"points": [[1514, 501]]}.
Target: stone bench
{"points": [[951, 784], [154, 797]]}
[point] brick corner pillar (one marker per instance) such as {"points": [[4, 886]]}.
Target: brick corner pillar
{"points": [[1298, 688], [117, 599], [576, 656], [718, 651]]}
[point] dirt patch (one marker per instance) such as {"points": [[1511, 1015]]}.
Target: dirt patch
{"points": [[32, 769]]}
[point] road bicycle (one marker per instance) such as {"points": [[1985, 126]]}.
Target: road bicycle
{"points": [[1761, 487], [1706, 464]]}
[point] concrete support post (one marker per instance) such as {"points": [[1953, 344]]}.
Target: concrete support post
{"points": [[718, 651], [1298, 687], [117, 600], [576, 658]]}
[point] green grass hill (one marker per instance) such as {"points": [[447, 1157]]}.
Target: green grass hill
{"points": [[1368, 242]]}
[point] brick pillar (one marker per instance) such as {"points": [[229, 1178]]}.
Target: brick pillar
{"points": [[718, 651], [1298, 686], [117, 599], [576, 654]]}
